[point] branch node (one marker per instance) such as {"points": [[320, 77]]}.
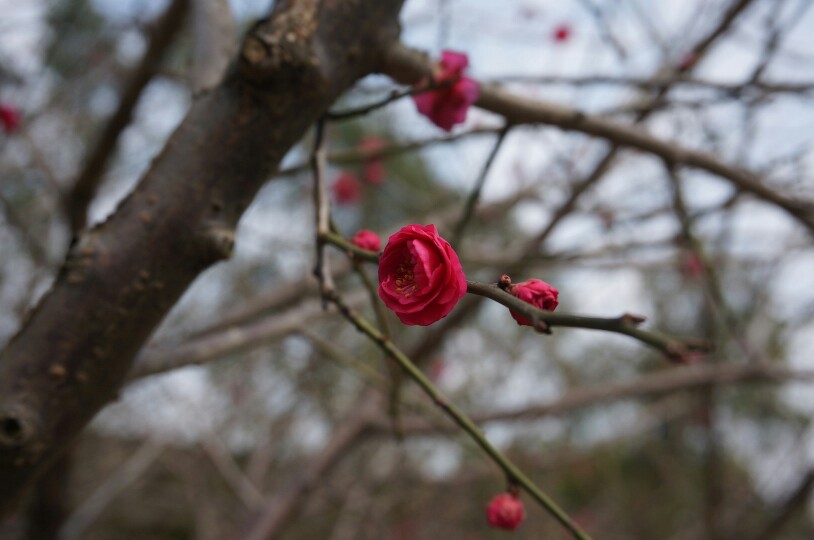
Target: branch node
{"points": [[631, 319], [221, 239], [15, 429], [541, 327]]}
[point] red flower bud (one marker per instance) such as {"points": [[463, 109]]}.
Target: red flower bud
{"points": [[366, 239], [373, 169], [687, 61], [448, 105], [561, 33], [346, 188], [420, 276], [373, 172], [10, 117], [535, 292], [505, 511], [692, 267]]}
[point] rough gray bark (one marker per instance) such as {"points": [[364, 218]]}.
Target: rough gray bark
{"points": [[121, 277]]}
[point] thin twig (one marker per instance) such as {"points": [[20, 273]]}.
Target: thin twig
{"points": [[396, 379], [474, 195], [710, 275], [344, 244], [344, 157], [729, 89], [406, 65], [625, 324], [91, 176], [513, 474], [395, 95], [129, 471], [649, 386], [323, 212]]}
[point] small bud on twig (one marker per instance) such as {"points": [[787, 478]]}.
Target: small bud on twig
{"points": [[635, 320]]}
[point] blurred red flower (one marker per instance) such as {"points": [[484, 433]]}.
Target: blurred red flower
{"points": [[448, 105], [346, 188]]}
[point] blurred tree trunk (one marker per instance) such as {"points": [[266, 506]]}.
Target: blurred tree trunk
{"points": [[121, 277]]}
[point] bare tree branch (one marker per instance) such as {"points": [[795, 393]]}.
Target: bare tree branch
{"points": [[409, 66], [657, 384], [120, 279]]}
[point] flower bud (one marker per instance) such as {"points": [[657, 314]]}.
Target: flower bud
{"points": [[448, 105], [366, 239], [10, 117], [347, 189], [505, 511], [535, 292]]}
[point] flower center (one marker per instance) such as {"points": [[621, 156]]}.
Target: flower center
{"points": [[405, 279]]}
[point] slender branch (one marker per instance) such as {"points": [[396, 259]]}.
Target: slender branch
{"points": [[676, 350], [396, 378], [647, 386], [626, 324], [710, 274], [92, 507], [322, 205], [277, 515], [365, 370], [121, 278], [198, 350], [343, 157], [515, 475], [345, 245], [270, 521], [794, 503], [230, 471], [406, 65], [730, 89], [91, 176], [474, 195], [395, 95], [648, 105]]}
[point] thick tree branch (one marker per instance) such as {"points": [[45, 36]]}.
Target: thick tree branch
{"points": [[409, 66], [121, 277]]}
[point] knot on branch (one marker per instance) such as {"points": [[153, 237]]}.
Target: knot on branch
{"points": [[218, 241], [281, 49], [18, 435]]}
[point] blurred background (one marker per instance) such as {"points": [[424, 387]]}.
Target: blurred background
{"points": [[252, 405]]}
